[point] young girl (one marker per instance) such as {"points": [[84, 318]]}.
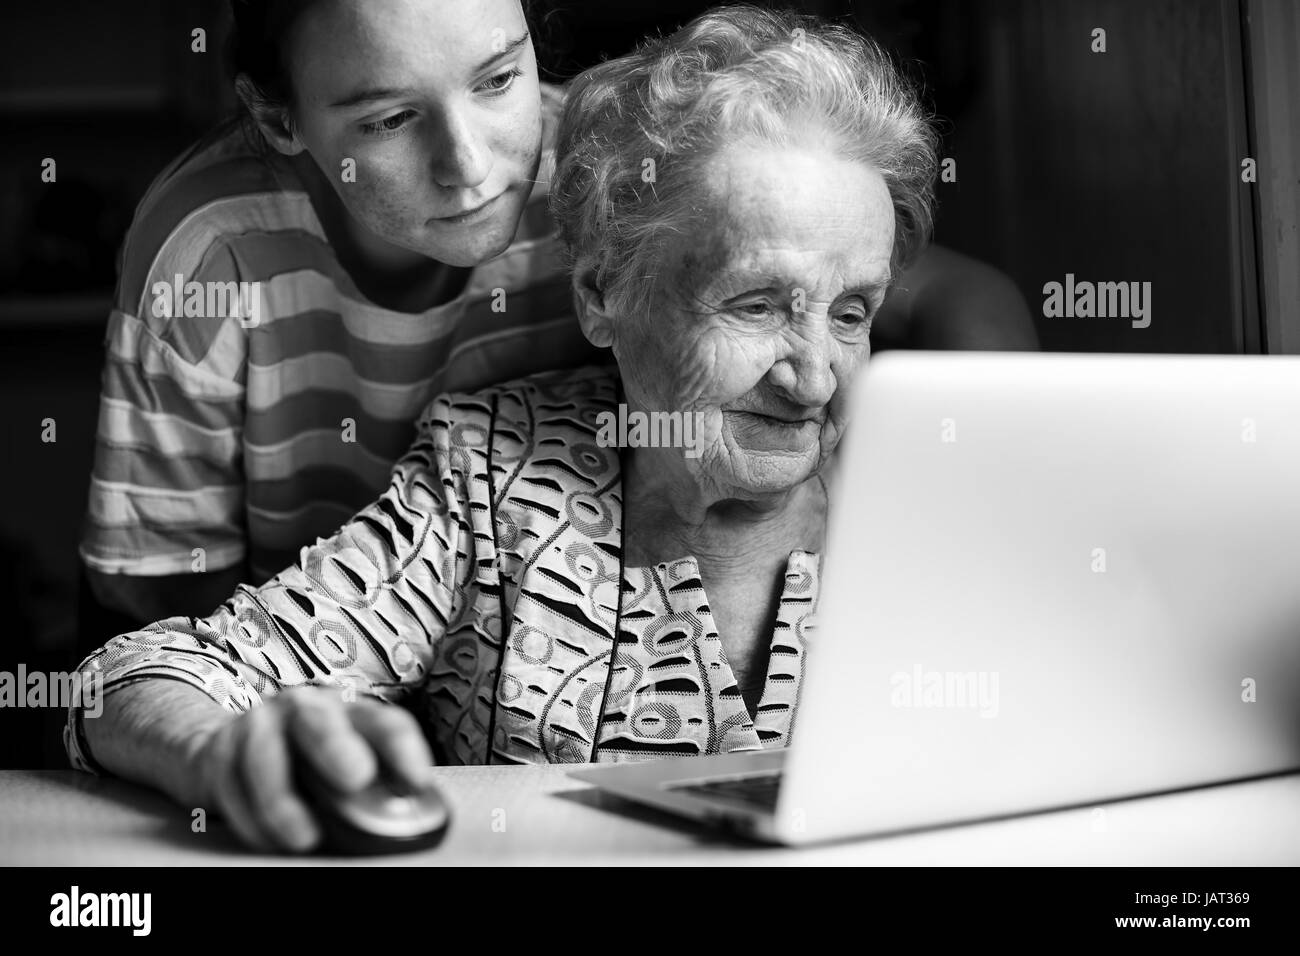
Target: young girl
{"points": [[374, 232]]}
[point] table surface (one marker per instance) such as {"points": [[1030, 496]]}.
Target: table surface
{"points": [[539, 816]]}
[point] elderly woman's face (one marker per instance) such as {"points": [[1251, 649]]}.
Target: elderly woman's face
{"points": [[763, 316]]}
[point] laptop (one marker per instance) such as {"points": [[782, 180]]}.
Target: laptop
{"points": [[1051, 580]]}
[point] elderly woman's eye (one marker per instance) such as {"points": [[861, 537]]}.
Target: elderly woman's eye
{"points": [[389, 124], [854, 321], [756, 309]]}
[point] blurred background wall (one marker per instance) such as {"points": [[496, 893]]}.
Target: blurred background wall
{"points": [[1114, 166]]}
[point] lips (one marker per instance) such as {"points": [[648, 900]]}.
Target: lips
{"points": [[782, 420], [760, 432], [468, 215]]}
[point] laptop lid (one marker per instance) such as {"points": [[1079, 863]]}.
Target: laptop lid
{"points": [[1051, 580]]}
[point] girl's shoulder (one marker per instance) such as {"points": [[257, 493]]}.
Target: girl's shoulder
{"points": [[223, 186], [228, 164]]}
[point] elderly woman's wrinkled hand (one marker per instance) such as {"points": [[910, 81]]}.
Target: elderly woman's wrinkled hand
{"points": [[246, 766]]}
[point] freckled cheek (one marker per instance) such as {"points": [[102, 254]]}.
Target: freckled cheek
{"points": [[387, 196], [517, 145]]}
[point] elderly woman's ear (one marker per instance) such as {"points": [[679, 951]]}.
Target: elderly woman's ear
{"points": [[589, 303]]}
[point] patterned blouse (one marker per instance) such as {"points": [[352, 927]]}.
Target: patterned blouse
{"points": [[504, 508]]}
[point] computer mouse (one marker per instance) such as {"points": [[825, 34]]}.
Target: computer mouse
{"points": [[377, 819]]}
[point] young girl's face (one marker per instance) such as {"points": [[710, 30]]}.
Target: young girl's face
{"points": [[437, 104]]}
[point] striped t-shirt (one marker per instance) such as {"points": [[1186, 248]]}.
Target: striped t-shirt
{"points": [[224, 440]]}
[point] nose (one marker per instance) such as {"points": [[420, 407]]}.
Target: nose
{"points": [[461, 156], [805, 373]]}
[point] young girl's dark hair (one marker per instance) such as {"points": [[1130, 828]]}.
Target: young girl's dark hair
{"points": [[257, 40]]}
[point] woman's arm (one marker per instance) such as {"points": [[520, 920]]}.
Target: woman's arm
{"points": [[242, 768], [213, 711], [151, 733]]}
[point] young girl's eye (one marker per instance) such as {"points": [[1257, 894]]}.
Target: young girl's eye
{"points": [[388, 124], [501, 82]]}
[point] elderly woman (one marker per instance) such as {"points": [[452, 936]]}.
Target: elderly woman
{"points": [[736, 200]]}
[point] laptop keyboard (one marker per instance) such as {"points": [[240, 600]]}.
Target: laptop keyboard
{"points": [[755, 790]]}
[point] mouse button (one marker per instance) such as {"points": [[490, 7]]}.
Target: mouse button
{"points": [[426, 808], [378, 810]]}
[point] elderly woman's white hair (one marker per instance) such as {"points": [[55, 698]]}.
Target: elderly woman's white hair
{"points": [[736, 73]]}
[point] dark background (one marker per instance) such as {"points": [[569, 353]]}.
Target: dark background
{"points": [[1120, 166]]}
